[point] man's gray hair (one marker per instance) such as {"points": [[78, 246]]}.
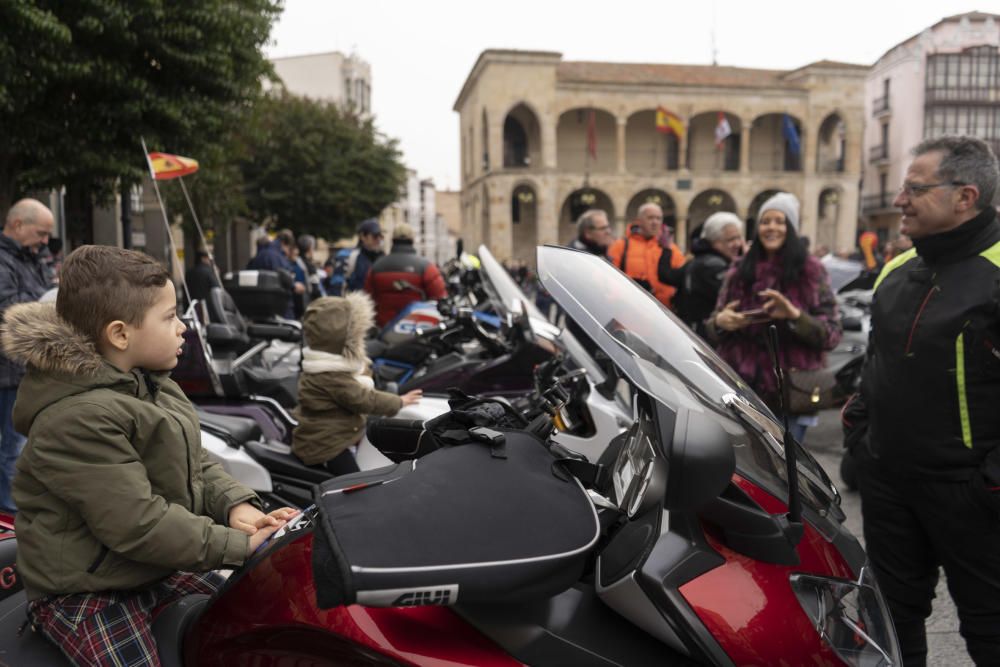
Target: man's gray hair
{"points": [[717, 223], [967, 160], [588, 221], [25, 210]]}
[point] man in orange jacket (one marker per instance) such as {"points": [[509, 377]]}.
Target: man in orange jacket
{"points": [[638, 254]]}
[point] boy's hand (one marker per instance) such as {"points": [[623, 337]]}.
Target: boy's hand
{"points": [[276, 517], [411, 397], [249, 519], [262, 535]]}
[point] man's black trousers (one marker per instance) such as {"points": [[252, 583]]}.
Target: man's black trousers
{"points": [[914, 526]]}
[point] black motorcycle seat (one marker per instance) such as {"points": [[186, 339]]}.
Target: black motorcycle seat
{"points": [[236, 429], [374, 348], [278, 459], [31, 649], [172, 624], [281, 386]]}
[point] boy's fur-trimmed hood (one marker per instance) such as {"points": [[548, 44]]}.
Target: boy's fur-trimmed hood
{"points": [[337, 325], [34, 335]]}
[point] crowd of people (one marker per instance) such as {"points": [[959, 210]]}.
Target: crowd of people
{"points": [[119, 511]]}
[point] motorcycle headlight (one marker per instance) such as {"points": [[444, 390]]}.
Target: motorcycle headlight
{"points": [[850, 616]]}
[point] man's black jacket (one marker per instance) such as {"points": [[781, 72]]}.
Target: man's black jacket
{"points": [[932, 378], [22, 279]]}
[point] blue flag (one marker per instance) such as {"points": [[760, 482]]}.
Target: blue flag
{"points": [[791, 134]]}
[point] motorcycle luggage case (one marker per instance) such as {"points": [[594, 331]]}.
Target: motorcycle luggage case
{"points": [[259, 295], [460, 524]]}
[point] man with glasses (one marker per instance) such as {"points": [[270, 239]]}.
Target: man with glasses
{"points": [[929, 473], [593, 233]]}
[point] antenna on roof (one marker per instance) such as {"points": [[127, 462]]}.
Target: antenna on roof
{"points": [[715, 53]]}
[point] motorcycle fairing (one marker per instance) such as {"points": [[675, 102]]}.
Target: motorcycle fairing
{"points": [[459, 525]]}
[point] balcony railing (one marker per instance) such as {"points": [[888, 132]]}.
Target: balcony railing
{"points": [[981, 94], [880, 105], [880, 152], [876, 203]]}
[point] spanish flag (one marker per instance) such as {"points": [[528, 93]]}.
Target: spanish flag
{"points": [[164, 166], [668, 122]]}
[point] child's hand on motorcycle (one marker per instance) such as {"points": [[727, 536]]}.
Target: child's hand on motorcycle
{"points": [[262, 535], [276, 517], [411, 397], [249, 519]]}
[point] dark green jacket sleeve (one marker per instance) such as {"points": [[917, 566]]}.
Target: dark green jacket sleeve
{"points": [[86, 460], [222, 492]]}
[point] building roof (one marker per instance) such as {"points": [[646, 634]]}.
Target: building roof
{"points": [[657, 74], [955, 18], [653, 74]]}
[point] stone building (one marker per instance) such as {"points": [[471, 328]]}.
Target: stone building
{"points": [[945, 80], [542, 140]]}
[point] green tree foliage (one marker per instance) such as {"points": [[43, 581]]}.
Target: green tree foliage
{"points": [[81, 81], [316, 169]]}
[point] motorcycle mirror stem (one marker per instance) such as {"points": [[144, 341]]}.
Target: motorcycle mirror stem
{"points": [[793, 531]]}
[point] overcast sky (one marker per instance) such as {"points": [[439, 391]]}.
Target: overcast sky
{"points": [[421, 52]]}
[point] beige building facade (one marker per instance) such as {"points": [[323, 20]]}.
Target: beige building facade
{"points": [[542, 140]]}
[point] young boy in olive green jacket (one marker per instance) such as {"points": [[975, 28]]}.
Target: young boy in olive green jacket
{"points": [[117, 503]]}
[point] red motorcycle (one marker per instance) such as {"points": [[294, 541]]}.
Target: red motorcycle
{"points": [[704, 535]]}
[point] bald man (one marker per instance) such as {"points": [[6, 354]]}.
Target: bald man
{"points": [[638, 254], [22, 278]]}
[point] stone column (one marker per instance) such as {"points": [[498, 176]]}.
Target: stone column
{"points": [[547, 125], [682, 149], [108, 223], [622, 123], [810, 145], [745, 145]]}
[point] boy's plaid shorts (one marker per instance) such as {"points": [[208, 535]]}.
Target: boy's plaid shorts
{"points": [[112, 629]]}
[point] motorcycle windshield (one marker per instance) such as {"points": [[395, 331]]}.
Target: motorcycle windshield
{"points": [[502, 286], [665, 359]]}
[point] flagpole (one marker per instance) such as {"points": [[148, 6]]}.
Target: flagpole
{"points": [[166, 221], [201, 233]]}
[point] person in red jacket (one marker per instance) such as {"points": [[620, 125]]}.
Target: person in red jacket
{"points": [[638, 254], [402, 277]]}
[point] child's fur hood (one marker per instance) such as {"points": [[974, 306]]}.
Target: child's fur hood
{"points": [[34, 335], [338, 325]]}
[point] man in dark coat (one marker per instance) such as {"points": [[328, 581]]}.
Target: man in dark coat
{"points": [[402, 277], [593, 233], [201, 277], [930, 476], [22, 279]]}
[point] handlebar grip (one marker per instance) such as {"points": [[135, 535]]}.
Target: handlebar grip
{"points": [[399, 439]]}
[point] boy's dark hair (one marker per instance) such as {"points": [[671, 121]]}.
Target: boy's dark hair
{"points": [[99, 284]]}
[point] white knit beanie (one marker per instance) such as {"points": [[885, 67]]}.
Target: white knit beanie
{"points": [[785, 202]]}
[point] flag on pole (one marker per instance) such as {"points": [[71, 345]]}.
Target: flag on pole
{"points": [[164, 166], [592, 134], [791, 134], [722, 130], [668, 122]]}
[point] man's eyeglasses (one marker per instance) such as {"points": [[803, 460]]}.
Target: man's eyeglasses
{"points": [[917, 189], [601, 229]]}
